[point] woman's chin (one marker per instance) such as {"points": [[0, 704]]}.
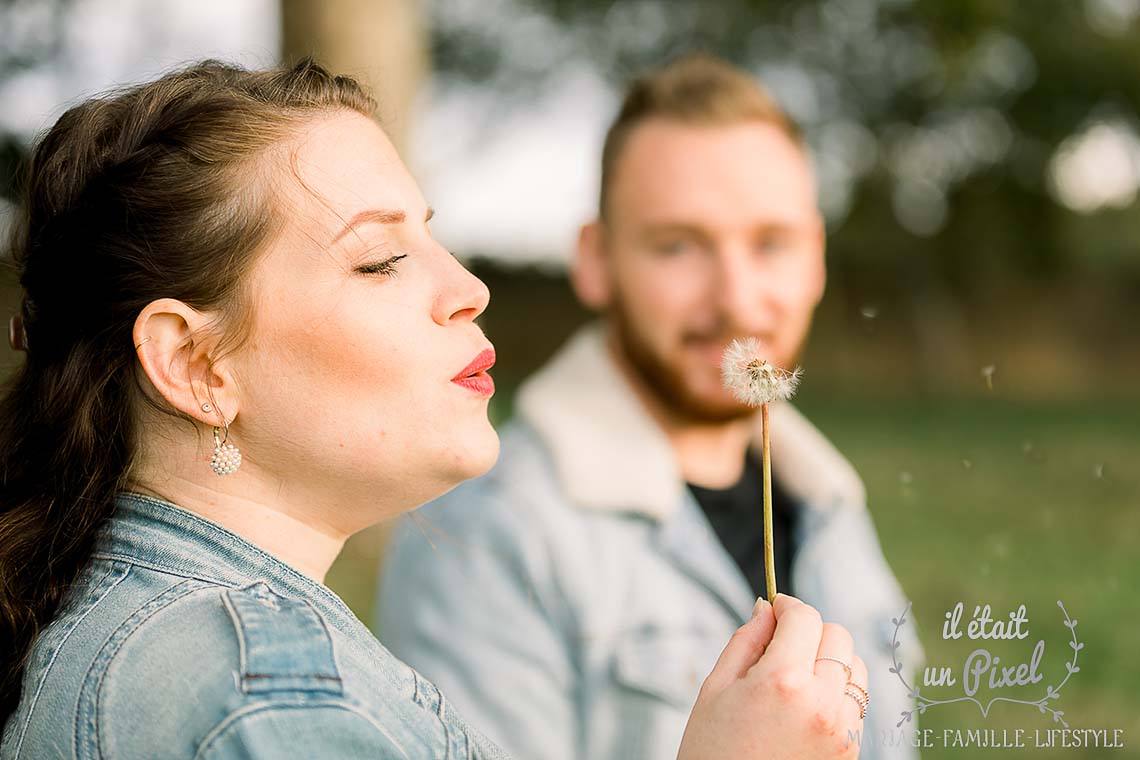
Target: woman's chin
{"points": [[482, 456], [464, 467], [472, 456]]}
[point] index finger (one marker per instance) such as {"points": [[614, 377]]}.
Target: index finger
{"points": [[799, 628], [743, 649]]}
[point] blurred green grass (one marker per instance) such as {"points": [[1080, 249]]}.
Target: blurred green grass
{"points": [[985, 501], [1008, 504]]}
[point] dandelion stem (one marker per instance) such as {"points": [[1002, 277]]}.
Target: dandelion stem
{"points": [[769, 559]]}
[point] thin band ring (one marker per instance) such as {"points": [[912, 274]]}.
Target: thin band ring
{"points": [[846, 665], [860, 695], [139, 344]]}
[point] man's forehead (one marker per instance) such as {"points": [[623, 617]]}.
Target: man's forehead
{"points": [[711, 175], [669, 138]]}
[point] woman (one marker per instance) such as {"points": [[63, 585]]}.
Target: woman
{"points": [[224, 259]]}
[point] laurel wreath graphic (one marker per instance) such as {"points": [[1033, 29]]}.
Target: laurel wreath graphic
{"points": [[923, 703]]}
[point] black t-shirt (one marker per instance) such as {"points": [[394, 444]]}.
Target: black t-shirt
{"points": [[736, 514]]}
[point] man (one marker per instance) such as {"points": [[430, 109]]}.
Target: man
{"points": [[594, 575]]}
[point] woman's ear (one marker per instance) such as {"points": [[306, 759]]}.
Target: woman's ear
{"points": [[174, 347], [590, 274]]}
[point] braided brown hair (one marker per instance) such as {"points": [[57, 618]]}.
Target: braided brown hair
{"points": [[163, 190]]}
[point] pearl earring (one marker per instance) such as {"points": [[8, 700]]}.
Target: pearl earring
{"points": [[226, 457]]}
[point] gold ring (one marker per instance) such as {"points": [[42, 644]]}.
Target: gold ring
{"points": [[139, 344], [860, 695], [846, 665]]}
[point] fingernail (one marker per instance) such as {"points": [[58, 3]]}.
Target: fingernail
{"points": [[759, 606]]}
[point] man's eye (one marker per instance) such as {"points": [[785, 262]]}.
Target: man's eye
{"points": [[674, 247], [385, 267], [775, 244]]}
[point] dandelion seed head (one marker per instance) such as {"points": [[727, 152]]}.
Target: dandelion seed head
{"points": [[752, 379]]}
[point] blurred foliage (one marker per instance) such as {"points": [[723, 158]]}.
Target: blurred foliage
{"points": [[933, 122], [935, 127], [31, 32]]}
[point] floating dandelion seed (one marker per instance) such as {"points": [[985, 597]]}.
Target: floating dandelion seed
{"points": [[988, 374], [754, 380], [757, 382]]}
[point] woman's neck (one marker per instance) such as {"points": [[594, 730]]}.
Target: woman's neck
{"points": [[297, 539]]}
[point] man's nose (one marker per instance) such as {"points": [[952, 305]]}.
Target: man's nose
{"points": [[741, 288]]}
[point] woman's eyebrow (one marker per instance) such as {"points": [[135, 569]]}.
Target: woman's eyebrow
{"points": [[382, 216]]}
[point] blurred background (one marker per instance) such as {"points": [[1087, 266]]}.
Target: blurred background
{"points": [[977, 354]]}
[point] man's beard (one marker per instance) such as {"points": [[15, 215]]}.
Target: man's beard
{"points": [[667, 383]]}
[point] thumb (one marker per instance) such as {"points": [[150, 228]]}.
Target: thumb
{"points": [[744, 648]]}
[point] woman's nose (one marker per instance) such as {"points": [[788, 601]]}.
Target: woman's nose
{"points": [[463, 298]]}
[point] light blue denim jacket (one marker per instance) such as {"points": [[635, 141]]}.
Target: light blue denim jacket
{"points": [[183, 640], [583, 580]]}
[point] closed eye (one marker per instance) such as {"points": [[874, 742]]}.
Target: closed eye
{"points": [[385, 267]]}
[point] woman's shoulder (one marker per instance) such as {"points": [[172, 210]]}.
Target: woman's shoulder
{"points": [[145, 664], [252, 670]]}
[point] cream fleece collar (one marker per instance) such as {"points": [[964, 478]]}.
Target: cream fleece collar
{"points": [[611, 455]]}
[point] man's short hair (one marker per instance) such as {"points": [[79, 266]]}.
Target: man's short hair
{"points": [[697, 89]]}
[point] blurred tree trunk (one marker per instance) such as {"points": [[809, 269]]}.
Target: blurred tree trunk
{"points": [[382, 43]]}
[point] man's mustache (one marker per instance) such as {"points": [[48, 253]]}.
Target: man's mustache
{"points": [[724, 337]]}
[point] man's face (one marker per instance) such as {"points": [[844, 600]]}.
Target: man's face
{"points": [[711, 233]]}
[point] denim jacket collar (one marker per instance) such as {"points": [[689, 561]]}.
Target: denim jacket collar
{"points": [[155, 533], [591, 419]]}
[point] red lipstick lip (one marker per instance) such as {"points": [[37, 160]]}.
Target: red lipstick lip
{"points": [[481, 363]]}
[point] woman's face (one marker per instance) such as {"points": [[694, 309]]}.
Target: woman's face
{"points": [[356, 382]]}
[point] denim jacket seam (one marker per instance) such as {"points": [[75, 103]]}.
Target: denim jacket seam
{"points": [[280, 566], [441, 711], [242, 655], [164, 569], [90, 693], [560, 616], [177, 572], [243, 658], [59, 646], [236, 716]]}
